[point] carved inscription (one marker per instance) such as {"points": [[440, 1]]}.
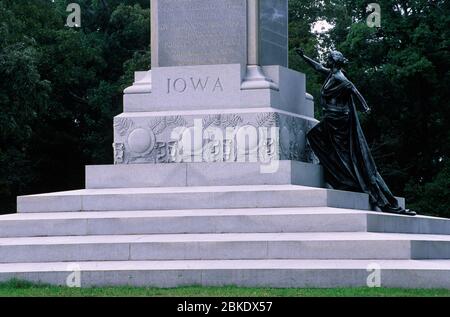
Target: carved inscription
{"points": [[191, 84], [201, 32]]}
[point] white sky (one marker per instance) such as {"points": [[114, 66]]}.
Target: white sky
{"points": [[321, 27]]}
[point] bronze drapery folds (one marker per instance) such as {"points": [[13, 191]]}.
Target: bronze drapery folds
{"points": [[339, 142]]}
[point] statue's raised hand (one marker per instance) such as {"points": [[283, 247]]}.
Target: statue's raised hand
{"points": [[300, 51]]}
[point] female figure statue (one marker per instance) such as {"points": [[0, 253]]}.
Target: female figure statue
{"points": [[339, 142]]}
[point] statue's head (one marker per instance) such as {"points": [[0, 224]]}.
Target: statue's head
{"points": [[336, 59]]}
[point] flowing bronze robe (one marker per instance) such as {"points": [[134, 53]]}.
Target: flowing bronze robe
{"points": [[339, 143]]}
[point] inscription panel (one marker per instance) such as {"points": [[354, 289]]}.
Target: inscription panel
{"points": [[197, 86], [200, 32], [274, 32]]}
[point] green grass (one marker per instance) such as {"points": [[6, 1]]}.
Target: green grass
{"points": [[19, 288]]}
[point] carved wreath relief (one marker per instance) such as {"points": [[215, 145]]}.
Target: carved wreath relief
{"points": [[215, 138]]}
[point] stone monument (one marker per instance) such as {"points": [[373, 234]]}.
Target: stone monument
{"points": [[219, 69], [213, 182]]}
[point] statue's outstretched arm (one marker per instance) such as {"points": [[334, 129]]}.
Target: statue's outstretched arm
{"points": [[316, 65]]}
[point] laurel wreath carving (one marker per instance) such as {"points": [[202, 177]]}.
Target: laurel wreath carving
{"points": [[122, 125], [231, 120], [160, 124], [267, 120]]}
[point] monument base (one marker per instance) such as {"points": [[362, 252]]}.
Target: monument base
{"points": [[199, 195], [168, 225], [422, 274], [234, 135], [214, 106], [217, 87]]}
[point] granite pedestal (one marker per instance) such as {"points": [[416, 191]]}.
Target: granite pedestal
{"points": [[214, 183]]}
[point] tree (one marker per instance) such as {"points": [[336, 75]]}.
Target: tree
{"points": [[403, 70], [62, 87]]}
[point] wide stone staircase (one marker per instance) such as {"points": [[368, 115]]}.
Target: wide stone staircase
{"points": [[168, 225]]}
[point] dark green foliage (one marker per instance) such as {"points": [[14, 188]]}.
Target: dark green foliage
{"points": [[61, 87], [434, 196], [402, 69]]}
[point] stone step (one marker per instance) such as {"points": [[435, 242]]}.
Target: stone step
{"points": [[243, 273], [251, 220], [202, 174], [332, 245], [202, 197]]}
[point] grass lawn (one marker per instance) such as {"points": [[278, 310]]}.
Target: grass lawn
{"points": [[19, 288]]}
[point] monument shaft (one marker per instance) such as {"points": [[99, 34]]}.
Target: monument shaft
{"points": [[223, 63], [209, 32]]}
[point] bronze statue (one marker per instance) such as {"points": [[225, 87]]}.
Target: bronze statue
{"points": [[338, 140]]}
